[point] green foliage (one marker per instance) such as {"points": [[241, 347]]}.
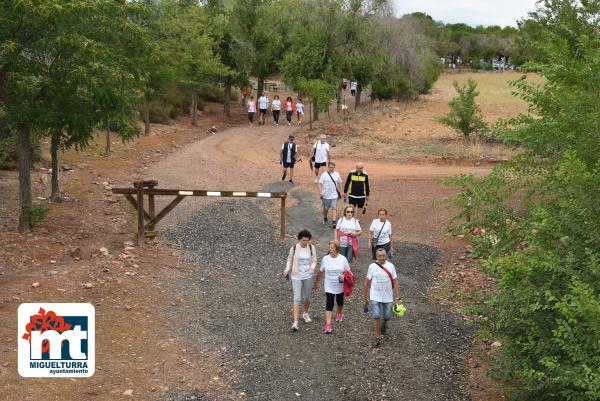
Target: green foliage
{"points": [[536, 220], [37, 213], [465, 115], [319, 91], [392, 85]]}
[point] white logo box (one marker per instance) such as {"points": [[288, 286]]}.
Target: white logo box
{"points": [[80, 365]]}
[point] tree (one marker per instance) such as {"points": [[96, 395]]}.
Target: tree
{"points": [[465, 115], [57, 69]]}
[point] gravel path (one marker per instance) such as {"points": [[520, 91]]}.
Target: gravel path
{"points": [[237, 294]]}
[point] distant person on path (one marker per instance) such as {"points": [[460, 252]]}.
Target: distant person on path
{"points": [[380, 234], [329, 188], [347, 232], [251, 110], [356, 187], [287, 159], [276, 109], [263, 106], [290, 108], [380, 291], [245, 92], [299, 110], [353, 87], [300, 267], [320, 155], [333, 267]]}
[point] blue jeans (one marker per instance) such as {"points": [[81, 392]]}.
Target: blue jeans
{"points": [[381, 309]]}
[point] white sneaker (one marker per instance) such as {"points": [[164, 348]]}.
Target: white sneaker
{"points": [[306, 317], [289, 123], [295, 326]]}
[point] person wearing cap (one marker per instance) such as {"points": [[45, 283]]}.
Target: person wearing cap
{"points": [[381, 291], [288, 157]]}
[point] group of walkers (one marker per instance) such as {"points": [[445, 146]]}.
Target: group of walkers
{"points": [[380, 289], [276, 106]]}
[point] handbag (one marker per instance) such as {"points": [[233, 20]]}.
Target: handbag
{"points": [[375, 239]]}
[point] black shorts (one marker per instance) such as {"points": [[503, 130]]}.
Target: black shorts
{"points": [[263, 111], [357, 202], [251, 116], [288, 165], [319, 165], [329, 298]]}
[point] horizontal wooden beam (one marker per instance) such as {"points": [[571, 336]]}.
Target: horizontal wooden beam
{"points": [[183, 192]]}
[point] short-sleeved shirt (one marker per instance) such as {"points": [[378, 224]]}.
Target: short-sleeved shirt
{"points": [[329, 187], [381, 285], [263, 102], [289, 151], [333, 268], [347, 226], [276, 105], [251, 106], [303, 263], [321, 151], [289, 106], [300, 108], [386, 232]]}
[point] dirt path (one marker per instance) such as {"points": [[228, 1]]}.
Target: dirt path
{"points": [[238, 304]]}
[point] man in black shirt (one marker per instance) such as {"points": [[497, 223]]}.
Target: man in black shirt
{"points": [[357, 187]]}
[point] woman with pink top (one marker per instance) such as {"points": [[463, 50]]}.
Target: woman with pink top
{"points": [[347, 231], [251, 110], [301, 263], [290, 108]]}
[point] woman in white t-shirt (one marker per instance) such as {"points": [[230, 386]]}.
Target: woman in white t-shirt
{"points": [[301, 263], [299, 110], [251, 110], [276, 109], [333, 267], [346, 232], [380, 234]]}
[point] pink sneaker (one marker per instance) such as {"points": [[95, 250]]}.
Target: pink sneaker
{"points": [[339, 317], [327, 329]]}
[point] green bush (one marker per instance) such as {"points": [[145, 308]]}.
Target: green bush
{"points": [[392, 85], [37, 213], [465, 115]]}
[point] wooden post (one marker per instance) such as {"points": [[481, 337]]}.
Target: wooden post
{"points": [[151, 232], [282, 234], [139, 186]]}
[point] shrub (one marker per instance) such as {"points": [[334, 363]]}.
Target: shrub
{"points": [[37, 213], [465, 115]]}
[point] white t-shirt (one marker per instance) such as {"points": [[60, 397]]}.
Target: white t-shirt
{"points": [[329, 188], [386, 233], [289, 153], [322, 149], [251, 106], [289, 105], [300, 108], [333, 268], [381, 285], [263, 102], [276, 105], [347, 226], [353, 85], [303, 264]]}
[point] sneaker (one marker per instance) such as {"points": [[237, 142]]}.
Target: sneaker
{"points": [[277, 124], [327, 329], [289, 123], [298, 122], [383, 327], [376, 344], [283, 176], [295, 326], [333, 225], [306, 317], [339, 317], [325, 220]]}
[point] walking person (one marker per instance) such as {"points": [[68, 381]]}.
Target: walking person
{"points": [[300, 267], [251, 110], [329, 185], [245, 92], [263, 105], [276, 109], [356, 188], [299, 110], [290, 108], [333, 267], [380, 234], [353, 87], [287, 159], [320, 155], [347, 232], [380, 291]]}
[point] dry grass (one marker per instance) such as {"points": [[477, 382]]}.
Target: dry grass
{"points": [[409, 130]]}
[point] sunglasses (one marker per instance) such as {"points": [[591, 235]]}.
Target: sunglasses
{"points": [[350, 211]]}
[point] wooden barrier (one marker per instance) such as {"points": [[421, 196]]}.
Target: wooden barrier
{"points": [[147, 220]]}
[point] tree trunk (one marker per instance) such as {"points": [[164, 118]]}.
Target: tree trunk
{"points": [[25, 152], [227, 100], [260, 87], [147, 116], [358, 92], [194, 108], [54, 197], [107, 148], [310, 116], [315, 108], [339, 99]]}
